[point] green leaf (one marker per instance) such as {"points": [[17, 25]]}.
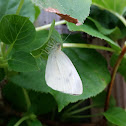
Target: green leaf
{"points": [[52, 38], [37, 43], [110, 21], [35, 123], [41, 103], [94, 78], [122, 67], [14, 94], [17, 30], [116, 116], [22, 62], [104, 30], [37, 11], [116, 6], [10, 7], [91, 31], [99, 100], [110, 124], [29, 10], [67, 7]]}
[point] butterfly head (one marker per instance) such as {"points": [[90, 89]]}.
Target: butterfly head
{"points": [[58, 46]]}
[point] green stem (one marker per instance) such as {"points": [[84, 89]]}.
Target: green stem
{"points": [[9, 50], [19, 7], [90, 46], [28, 102], [49, 25], [86, 116], [73, 107], [26, 117], [3, 49], [22, 120], [121, 18], [81, 110]]}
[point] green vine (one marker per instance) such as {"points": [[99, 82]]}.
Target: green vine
{"points": [[19, 7]]}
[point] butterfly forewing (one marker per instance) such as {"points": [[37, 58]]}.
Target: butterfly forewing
{"points": [[61, 74]]}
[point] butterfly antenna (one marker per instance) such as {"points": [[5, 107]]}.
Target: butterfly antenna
{"points": [[67, 37]]}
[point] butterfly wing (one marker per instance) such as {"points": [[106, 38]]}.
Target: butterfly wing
{"points": [[61, 74]]}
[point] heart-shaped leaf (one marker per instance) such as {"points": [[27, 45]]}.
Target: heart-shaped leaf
{"points": [[17, 30]]}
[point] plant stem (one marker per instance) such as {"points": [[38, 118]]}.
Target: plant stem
{"points": [[19, 7], [121, 18], [3, 49], [49, 25], [3, 65], [21, 120], [85, 116], [116, 66], [90, 46], [74, 106], [81, 110], [28, 102]]}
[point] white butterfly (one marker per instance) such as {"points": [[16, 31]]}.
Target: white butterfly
{"points": [[61, 74]]}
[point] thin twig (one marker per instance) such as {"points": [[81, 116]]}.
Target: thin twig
{"points": [[113, 76]]}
